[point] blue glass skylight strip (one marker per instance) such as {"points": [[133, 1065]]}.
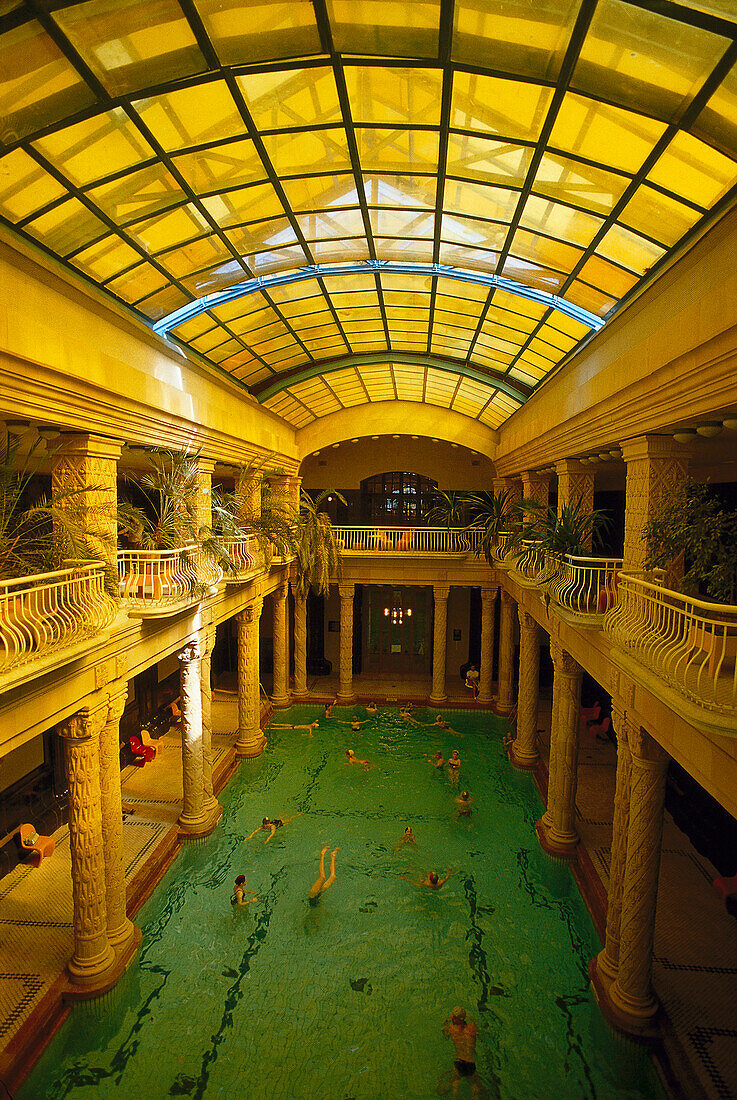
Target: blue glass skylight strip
{"points": [[393, 267]]}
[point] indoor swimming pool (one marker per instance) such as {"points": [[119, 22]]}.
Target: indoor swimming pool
{"points": [[346, 998]]}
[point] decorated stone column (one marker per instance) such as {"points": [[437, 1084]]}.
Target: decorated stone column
{"points": [[505, 695], [536, 486], [207, 643], [523, 752], [547, 818], [250, 740], [440, 631], [90, 463], [119, 928], [511, 484], [93, 958], [607, 961], [300, 644], [575, 484], [559, 837], [280, 692], [632, 994], [193, 819], [346, 693], [248, 493], [488, 605], [656, 466]]}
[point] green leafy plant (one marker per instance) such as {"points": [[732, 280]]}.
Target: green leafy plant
{"points": [[271, 522], [447, 508], [316, 548], [492, 513], [692, 526], [40, 535], [571, 530]]}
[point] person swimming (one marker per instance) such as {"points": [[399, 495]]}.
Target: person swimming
{"points": [[437, 760], [271, 826], [321, 883], [407, 837], [240, 891], [371, 708], [464, 803], [351, 758]]}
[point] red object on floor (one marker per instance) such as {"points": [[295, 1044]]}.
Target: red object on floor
{"points": [[34, 845], [726, 886], [143, 753], [590, 714]]}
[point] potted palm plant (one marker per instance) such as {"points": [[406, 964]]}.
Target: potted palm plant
{"points": [[316, 548], [493, 514]]}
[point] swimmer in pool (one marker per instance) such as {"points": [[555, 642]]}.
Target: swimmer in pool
{"points": [[321, 884], [443, 725], [354, 723], [270, 826], [351, 758], [454, 760], [431, 880], [240, 891], [407, 837], [329, 708], [464, 803], [461, 1029], [309, 726], [437, 760], [372, 709], [405, 712]]}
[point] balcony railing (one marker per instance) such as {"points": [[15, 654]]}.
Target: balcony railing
{"points": [[246, 556], [159, 582], [406, 540], [51, 612], [688, 643], [586, 587], [532, 565]]}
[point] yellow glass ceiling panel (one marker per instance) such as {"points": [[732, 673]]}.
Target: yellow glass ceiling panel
{"points": [[169, 229], [106, 258], [391, 27], [580, 184], [507, 107], [334, 251], [97, 147], [399, 190], [248, 204], [25, 186], [410, 383], [658, 215], [465, 291], [717, 123], [331, 224], [382, 150], [419, 251], [166, 300], [477, 259], [526, 39], [211, 279], [643, 60], [38, 86], [67, 227], [196, 327], [694, 170], [137, 283], [402, 223], [316, 192], [489, 161], [314, 150], [297, 297], [260, 29], [600, 273], [629, 249], [601, 132], [563, 222], [129, 44], [593, 300], [394, 96], [556, 254], [521, 270], [138, 194], [495, 203], [221, 167], [295, 97], [192, 116]]}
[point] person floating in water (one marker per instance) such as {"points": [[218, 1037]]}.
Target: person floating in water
{"points": [[443, 725], [240, 891], [354, 723], [309, 726], [321, 884], [461, 1029], [472, 680], [405, 712], [351, 758], [329, 708], [464, 803], [371, 708], [407, 837], [270, 826], [431, 880], [437, 760]]}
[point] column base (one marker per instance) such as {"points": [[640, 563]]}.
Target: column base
{"points": [[503, 708], [345, 699], [123, 956], [280, 701], [638, 1027], [95, 971], [246, 750], [485, 700], [299, 693], [520, 761], [192, 826], [605, 968], [437, 700], [119, 937], [558, 849], [204, 826]]}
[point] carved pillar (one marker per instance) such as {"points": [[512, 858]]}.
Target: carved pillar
{"points": [[547, 818], [93, 957], [575, 483], [119, 928], [559, 836], [488, 605], [83, 461], [346, 693], [248, 492], [523, 753], [440, 595], [300, 644], [505, 695], [193, 818], [656, 465], [207, 642], [607, 961], [513, 484], [203, 500], [280, 693], [632, 994], [250, 741], [536, 486]]}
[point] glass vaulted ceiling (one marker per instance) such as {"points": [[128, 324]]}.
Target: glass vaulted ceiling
{"points": [[169, 149]]}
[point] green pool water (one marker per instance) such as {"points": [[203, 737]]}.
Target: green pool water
{"points": [[346, 999]]}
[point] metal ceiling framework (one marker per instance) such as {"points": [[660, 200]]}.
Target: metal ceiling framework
{"points": [[337, 202]]}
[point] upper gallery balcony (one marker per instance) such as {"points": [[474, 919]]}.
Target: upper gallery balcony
{"points": [[425, 541], [157, 583], [50, 618]]}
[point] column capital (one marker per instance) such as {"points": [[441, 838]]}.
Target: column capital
{"points": [[526, 620], [251, 612], [489, 591], [192, 651], [205, 465], [654, 447], [87, 723], [347, 591], [441, 591], [117, 697], [563, 663], [644, 747], [572, 466], [89, 445], [507, 597], [281, 590]]}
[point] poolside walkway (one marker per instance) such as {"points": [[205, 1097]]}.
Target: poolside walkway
{"points": [[695, 941]]}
